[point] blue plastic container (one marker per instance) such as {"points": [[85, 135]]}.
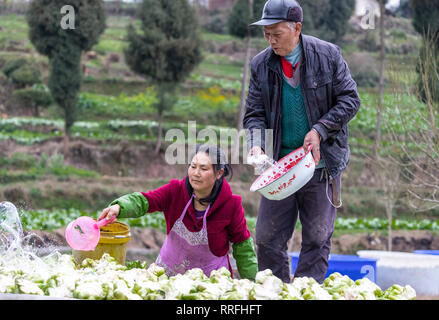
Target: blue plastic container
{"points": [[354, 267], [432, 252]]}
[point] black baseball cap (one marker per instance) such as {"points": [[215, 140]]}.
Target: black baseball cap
{"points": [[276, 11]]}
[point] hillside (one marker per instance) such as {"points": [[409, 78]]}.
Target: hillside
{"points": [[111, 151]]}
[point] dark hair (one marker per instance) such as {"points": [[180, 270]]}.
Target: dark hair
{"points": [[219, 161]]}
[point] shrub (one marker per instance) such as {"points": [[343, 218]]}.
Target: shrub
{"points": [[208, 106], [2, 62], [22, 160], [12, 65], [370, 41], [216, 22], [55, 165], [363, 68], [366, 78], [11, 177], [26, 76], [3, 79], [35, 97], [398, 34], [112, 106], [15, 195], [216, 25]]}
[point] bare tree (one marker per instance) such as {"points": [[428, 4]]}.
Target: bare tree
{"points": [[245, 72], [381, 81], [418, 144], [238, 26], [406, 167], [390, 186], [385, 171]]}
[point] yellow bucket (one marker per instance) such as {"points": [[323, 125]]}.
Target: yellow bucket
{"points": [[113, 240]]}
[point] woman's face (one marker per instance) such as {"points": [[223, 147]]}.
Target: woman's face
{"points": [[201, 174]]}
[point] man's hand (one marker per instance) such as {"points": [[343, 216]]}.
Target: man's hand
{"points": [[259, 160], [255, 151], [313, 138]]}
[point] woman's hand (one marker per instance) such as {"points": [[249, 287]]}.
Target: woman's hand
{"points": [[110, 212]]}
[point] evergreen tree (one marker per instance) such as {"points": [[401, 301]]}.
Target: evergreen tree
{"points": [[328, 20], [65, 81], [34, 97], [315, 13], [404, 10], [240, 17], [64, 45], [426, 18], [166, 48], [243, 13], [337, 21]]}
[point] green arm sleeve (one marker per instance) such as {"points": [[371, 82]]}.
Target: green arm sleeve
{"points": [[245, 256], [132, 205]]}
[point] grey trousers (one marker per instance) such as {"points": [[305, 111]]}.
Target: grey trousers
{"points": [[277, 220]]}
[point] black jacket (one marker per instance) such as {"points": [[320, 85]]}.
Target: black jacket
{"points": [[329, 92]]}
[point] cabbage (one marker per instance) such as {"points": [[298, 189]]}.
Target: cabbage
{"points": [[7, 283], [27, 286], [290, 292], [267, 287], [121, 291], [106, 279], [237, 290], [397, 292]]}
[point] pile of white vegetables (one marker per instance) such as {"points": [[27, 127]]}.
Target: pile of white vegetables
{"points": [[59, 276]]}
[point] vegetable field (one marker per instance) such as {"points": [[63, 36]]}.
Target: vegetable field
{"points": [[54, 219]]}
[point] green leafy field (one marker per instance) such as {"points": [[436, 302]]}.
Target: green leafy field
{"points": [[115, 106], [207, 106], [54, 219]]}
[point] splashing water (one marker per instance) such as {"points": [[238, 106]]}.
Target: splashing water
{"points": [[11, 229], [15, 251], [261, 162]]}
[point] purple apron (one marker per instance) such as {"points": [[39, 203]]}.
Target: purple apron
{"points": [[184, 250]]}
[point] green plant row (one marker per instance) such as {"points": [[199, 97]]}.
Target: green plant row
{"points": [[383, 224], [395, 107], [26, 130], [27, 137], [57, 218], [22, 167], [206, 81], [44, 219], [208, 105]]}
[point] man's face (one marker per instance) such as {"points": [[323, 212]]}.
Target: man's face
{"points": [[281, 38]]}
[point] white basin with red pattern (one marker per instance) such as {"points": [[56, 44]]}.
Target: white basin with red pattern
{"points": [[290, 174]]}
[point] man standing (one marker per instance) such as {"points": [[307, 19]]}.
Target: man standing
{"points": [[302, 90]]}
